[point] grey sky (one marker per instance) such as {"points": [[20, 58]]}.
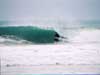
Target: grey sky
{"points": [[66, 9]]}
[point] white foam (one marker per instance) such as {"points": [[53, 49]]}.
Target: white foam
{"points": [[50, 54], [87, 35]]}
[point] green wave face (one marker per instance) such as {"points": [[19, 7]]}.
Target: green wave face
{"points": [[29, 33]]}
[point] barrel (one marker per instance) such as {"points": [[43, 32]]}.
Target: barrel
{"points": [[29, 33]]}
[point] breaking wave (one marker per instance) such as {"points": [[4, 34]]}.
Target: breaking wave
{"points": [[74, 31]]}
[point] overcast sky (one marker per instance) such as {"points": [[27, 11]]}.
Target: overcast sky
{"points": [[66, 9]]}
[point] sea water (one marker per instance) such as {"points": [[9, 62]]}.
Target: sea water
{"points": [[78, 53]]}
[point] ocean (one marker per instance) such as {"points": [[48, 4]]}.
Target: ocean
{"points": [[67, 29], [78, 53]]}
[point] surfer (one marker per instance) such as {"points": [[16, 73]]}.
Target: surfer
{"points": [[58, 37]]}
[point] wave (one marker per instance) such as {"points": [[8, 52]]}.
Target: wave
{"points": [[29, 33], [24, 30], [86, 36]]}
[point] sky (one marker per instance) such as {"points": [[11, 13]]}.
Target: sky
{"points": [[64, 9]]}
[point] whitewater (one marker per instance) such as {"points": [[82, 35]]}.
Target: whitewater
{"points": [[79, 53]]}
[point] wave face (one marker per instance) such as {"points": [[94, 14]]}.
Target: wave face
{"points": [[23, 31], [29, 33]]}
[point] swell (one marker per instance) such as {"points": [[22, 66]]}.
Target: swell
{"points": [[29, 33]]}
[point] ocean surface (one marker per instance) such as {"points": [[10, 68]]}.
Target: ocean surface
{"points": [[80, 48], [70, 30]]}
